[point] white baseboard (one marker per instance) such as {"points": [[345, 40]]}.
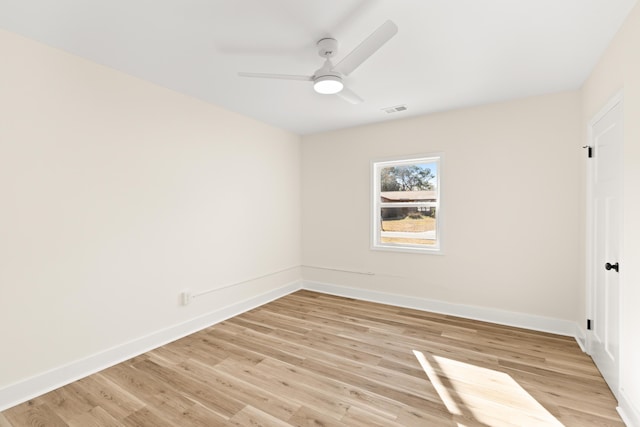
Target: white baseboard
{"points": [[22, 391], [630, 414], [581, 338], [502, 317]]}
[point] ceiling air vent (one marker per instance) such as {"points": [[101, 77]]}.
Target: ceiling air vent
{"points": [[395, 109]]}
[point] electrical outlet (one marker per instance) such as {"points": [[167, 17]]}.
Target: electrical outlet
{"points": [[187, 296]]}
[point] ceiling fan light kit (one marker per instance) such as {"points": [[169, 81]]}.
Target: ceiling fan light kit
{"points": [[328, 85], [328, 80]]}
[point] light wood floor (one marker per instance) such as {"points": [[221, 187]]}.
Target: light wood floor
{"points": [[310, 359]]}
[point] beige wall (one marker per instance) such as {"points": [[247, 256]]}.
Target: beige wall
{"points": [[511, 193], [619, 70], [115, 195]]}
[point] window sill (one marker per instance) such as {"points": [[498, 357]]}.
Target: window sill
{"points": [[407, 249]]}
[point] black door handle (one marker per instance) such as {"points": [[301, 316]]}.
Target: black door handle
{"points": [[609, 266]]}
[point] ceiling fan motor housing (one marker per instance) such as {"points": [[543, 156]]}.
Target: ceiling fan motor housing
{"points": [[326, 80]]}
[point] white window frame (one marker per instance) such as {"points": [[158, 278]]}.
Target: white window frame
{"points": [[376, 204]]}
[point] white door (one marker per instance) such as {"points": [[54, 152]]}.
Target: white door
{"points": [[606, 185]]}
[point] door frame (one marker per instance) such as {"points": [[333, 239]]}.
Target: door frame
{"points": [[618, 98]]}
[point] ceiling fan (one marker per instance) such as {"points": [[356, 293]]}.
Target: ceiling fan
{"points": [[329, 79]]}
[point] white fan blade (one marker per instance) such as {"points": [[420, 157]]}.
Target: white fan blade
{"points": [[367, 48], [276, 76], [349, 96]]}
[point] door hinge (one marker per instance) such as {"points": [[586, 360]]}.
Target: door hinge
{"points": [[588, 324], [589, 150]]}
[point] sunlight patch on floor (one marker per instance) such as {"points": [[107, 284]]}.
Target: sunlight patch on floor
{"points": [[482, 395]]}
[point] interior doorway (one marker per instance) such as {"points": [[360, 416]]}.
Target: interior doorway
{"points": [[604, 218]]}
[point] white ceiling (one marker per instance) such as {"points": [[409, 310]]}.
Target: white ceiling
{"points": [[447, 53]]}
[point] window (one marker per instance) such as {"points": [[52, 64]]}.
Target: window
{"points": [[406, 204]]}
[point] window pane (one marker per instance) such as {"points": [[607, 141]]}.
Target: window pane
{"points": [[410, 225], [409, 178]]}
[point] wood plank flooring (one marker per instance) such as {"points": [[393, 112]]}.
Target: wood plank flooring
{"points": [[310, 359]]}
